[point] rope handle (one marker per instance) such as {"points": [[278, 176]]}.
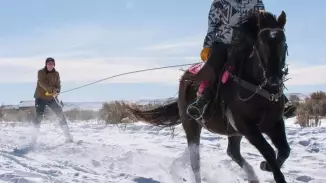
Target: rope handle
{"points": [[48, 94]]}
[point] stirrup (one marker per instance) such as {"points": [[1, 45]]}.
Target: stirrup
{"points": [[193, 117], [191, 106]]}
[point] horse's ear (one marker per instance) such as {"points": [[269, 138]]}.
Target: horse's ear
{"points": [[282, 19]]}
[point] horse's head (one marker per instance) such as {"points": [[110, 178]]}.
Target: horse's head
{"points": [[265, 33]]}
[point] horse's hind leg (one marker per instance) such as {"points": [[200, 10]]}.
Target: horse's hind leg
{"points": [[278, 138], [191, 127], [233, 151], [193, 130]]}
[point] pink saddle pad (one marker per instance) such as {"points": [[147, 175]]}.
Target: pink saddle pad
{"points": [[194, 69]]}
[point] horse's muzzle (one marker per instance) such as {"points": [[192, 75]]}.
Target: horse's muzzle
{"points": [[274, 81]]}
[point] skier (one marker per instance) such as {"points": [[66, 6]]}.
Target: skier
{"points": [[47, 89]]}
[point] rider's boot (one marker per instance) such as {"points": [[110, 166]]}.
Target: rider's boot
{"points": [[197, 109]]}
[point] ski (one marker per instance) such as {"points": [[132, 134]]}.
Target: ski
{"points": [[21, 151]]}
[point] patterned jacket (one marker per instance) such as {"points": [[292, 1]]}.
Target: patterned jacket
{"points": [[225, 14]]}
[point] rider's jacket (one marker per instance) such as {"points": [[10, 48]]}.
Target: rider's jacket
{"points": [[224, 14]]}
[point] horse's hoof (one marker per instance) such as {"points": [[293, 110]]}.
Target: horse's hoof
{"points": [[253, 181], [281, 181], [265, 166]]}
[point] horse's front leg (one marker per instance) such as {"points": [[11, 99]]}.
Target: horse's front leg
{"points": [[193, 130], [278, 138], [255, 137], [233, 151]]}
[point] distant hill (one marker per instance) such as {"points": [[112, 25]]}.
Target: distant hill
{"points": [[155, 101], [86, 105], [67, 105], [301, 96], [98, 105]]}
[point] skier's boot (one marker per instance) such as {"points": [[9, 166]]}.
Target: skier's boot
{"points": [[67, 134]]}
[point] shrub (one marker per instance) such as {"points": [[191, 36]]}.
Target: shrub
{"points": [[29, 115], [311, 110], [111, 112], [115, 112], [79, 114]]}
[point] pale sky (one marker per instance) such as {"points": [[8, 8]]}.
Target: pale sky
{"points": [[91, 40]]}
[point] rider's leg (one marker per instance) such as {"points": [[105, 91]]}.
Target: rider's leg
{"points": [[201, 88], [214, 65]]}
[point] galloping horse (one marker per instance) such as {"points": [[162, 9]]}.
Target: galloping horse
{"points": [[249, 103]]}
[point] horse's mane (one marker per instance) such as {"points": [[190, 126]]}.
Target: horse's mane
{"points": [[249, 27], [263, 16], [256, 20]]}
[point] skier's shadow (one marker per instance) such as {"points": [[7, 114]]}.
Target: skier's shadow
{"points": [[145, 180], [43, 147], [23, 150]]}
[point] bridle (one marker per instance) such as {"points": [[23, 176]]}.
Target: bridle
{"points": [[259, 89]]}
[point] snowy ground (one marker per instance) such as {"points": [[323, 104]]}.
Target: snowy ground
{"points": [[142, 154]]}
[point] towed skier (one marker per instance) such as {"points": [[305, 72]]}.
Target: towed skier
{"points": [[47, 89]]}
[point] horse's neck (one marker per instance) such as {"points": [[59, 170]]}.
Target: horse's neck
{"points": [[246, 69], [241, 56]]}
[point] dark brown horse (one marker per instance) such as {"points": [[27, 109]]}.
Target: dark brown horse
{"points": [[250, 103]]}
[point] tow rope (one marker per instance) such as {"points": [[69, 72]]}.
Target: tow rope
{"points": [[127, 73]]}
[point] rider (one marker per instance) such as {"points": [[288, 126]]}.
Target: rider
{"points": [[223, 15]]}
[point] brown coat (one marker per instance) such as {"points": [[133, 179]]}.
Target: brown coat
{"points": [[47, 82]]}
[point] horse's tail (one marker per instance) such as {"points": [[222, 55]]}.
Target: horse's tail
{"points": [[170, 114], [166, 115]]}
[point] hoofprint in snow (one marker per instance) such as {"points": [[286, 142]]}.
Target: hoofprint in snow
{"points": [[141, 153]]}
